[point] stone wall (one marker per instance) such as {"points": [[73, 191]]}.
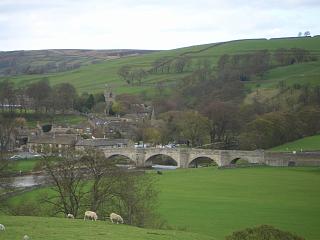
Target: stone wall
{"points": [[293, 159]]}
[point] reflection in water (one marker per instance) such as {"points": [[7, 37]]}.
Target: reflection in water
{"points": [[164, 167], [28, 181]]}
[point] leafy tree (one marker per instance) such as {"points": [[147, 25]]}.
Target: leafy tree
{"points": [[193, 127], [271, 129], [136, 198], [89, 102], [151, 135], [40, 92], [65, 95], [222, 120], [309, 118], [117, 108]]}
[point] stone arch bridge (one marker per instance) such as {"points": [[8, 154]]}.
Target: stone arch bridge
{"points": [[185, 156]]}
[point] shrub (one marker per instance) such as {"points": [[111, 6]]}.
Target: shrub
{"points": [[263, 232]]}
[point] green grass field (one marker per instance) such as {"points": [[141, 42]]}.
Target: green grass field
{"points": [[58, 120], [311, 143], [25, 165], [217, 202], [92, 78], [65, 229]]}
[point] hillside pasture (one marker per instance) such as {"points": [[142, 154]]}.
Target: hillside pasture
{"points": [[311, 143], [92, 78]]}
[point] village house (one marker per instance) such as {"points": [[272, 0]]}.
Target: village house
{"points": [[102, 143], [51, 142]]}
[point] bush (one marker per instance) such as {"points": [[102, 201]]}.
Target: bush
{"points": [[263, 232]]}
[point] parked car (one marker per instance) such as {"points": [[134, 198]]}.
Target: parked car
{"points": [[25, 155], [16, 157]]}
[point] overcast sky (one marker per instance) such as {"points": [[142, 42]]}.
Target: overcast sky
{"points": [[149, 24]]}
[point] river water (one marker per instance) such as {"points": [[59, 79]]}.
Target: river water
{"points": [[28, 181], [33, 180]]}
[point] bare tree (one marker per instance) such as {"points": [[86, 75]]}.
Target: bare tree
{"points": [[124, 73], [8, 131], [181, 63], [67, 180], [89, 181], [135, 198], [103, 174], [7, 95], [64, 96], [39, 91]]}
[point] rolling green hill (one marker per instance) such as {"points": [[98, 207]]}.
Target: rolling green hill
{"points": [[56, 60], [66, 229], [311, 143], [217, 202], [92, 78]]}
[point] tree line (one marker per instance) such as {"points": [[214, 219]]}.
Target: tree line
{"points": [[41, 97]]}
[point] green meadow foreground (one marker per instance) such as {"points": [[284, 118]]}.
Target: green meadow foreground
{"points": [[65, 229], [217, 202], [205, 201]]}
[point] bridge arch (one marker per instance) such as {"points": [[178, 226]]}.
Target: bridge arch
{"points": [[161, 159], [123, 155], [239, 161], [200, 160]]}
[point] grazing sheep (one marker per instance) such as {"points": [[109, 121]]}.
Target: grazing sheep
{"points": [[90, 215], [70, 216], [26, 237], [115, 218], [2, 228]]}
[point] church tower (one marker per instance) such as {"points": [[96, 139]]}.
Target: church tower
{"points": [[109, 98]]}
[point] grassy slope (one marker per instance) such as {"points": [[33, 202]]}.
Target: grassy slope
{"points": [[65, 229], [217, 202], [93, 77], [298, 73], [311, 143]]}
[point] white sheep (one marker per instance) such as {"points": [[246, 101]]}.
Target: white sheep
{"points": [[90, 215], [2, 227], [26, 237], [70, 216], [115, 218]]}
